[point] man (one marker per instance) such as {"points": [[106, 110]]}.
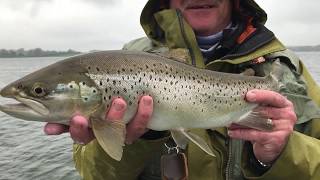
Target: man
{"points": [[221, 35]]}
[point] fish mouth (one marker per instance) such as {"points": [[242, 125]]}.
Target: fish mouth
{"points": [[27, 109]]}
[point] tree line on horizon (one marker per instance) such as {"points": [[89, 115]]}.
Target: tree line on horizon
{"points": [[37, 52], [305, 48]]}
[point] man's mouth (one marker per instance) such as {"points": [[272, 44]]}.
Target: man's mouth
{"points": [[205, 6]]}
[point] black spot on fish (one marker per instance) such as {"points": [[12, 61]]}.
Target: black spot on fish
{"points": [[124, 90], [104, 98], [109, 97], [86, 99], [130, 103], [108, 79], [97, 69], [94, 91], [123, 70], [70, 86]]}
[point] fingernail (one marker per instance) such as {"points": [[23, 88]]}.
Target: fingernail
{"points": [[251, 96], [79, 142], [76, 121], [118, 106], [128, 142], [147, 101], [230, 133], [49, 131]]}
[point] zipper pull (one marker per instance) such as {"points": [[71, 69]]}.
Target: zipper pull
{"points": [[174, 164]]}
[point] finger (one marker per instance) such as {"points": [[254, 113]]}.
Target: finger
{"points": [[266, 97], [55, 129], [277, 113], [80, 131], [248, 135], [237, 126], [283, 125], [138, 125], [117, 110]]}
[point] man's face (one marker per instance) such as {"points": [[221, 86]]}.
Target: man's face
{"points": [[206, 17]]}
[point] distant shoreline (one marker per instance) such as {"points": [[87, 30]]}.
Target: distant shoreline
{"points": [[38, 52], [305, 48]]}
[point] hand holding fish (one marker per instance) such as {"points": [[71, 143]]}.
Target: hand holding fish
{"points": [[267, 146], [81, 133]]}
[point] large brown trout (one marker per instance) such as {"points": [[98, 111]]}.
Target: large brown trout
{"points": [[184, 97]]}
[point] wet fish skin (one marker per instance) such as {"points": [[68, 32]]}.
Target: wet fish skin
{"points": [[184, 97]]}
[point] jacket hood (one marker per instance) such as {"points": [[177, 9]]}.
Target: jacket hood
{"points": [[248, 8]]}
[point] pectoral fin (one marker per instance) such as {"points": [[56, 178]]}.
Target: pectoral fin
{"points": [[111, 136], [182, 136], [254, 119], [179, 138]]}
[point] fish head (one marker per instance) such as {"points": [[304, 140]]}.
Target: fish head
{"points": [[53, 94]]}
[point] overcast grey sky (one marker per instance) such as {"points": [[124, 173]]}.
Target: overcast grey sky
{"points": [[107, 24]]}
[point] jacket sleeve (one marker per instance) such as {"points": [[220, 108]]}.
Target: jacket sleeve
{"points": [[94, 164], [300, 158]]}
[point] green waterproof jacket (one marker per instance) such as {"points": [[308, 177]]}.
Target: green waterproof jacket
{"points": [[167, 32]]}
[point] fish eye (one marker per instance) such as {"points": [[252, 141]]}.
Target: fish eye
{"points": [[38, 90]]}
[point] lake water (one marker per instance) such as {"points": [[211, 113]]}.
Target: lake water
{"points": [[27, 153]]}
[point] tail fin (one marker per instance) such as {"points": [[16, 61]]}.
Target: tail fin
{"points": [[276, 73]]}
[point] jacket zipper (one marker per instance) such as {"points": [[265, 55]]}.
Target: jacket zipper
{"points": [[181, 23], [230, 161]]}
